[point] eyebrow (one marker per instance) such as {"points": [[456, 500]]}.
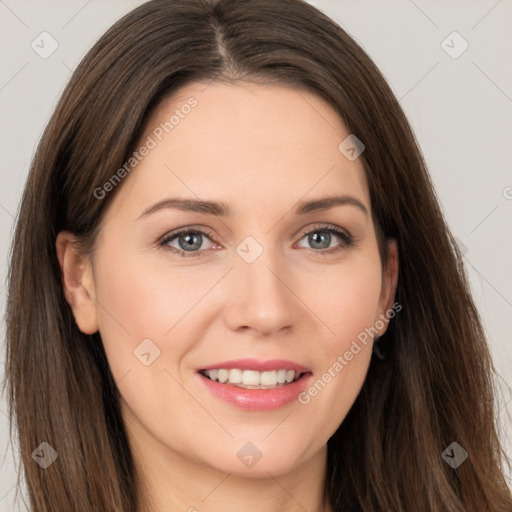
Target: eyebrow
{"points": [[221, 209]]}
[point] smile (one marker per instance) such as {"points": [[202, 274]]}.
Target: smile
{"points": [[255, 385], [252, 379]]}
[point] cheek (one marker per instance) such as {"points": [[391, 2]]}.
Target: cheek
{"points": [[345, 298], [347, 303], [138, 302], [161, 302], [142, 310]]}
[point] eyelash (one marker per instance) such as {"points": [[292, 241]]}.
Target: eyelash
{"points": [[347, 240]]}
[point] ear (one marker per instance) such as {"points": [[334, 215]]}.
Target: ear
{"points": [[78, 282], [389, 283]]}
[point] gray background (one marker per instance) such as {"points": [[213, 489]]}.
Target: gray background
{"points": [[460, 109]]}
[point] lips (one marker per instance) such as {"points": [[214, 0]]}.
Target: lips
{"points": [[258, 365], [256, 385]]}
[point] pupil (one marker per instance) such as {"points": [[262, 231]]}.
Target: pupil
{"points": [[193, 241], [314, 239]]}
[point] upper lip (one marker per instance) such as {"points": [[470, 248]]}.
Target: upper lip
{"points": [[257, 365]]}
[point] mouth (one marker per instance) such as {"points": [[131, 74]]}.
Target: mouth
{"points": [[256, 385], [253, 379]]}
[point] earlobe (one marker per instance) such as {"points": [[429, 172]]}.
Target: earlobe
{"points": [[77, 282]]}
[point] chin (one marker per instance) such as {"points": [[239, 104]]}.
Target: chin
{"points": [[250, 461]]}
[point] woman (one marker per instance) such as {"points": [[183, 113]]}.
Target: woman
{"points": [[231, 284]]}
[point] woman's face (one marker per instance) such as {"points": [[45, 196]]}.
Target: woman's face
{"points": [[264, 286]]}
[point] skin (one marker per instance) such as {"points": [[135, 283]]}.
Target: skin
{"points": [[260, 149]]}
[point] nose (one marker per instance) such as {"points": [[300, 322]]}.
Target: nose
{"points": [[262, 299]]}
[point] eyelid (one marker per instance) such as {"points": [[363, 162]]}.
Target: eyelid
{"points": [[323, 226], [206, 232], [347, 240], [342, 233]]}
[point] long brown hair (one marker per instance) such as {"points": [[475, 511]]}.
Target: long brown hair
{"points": [[434, 387]]}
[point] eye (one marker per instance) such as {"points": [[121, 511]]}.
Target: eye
{"points": [[320, 238], [189, 241]]}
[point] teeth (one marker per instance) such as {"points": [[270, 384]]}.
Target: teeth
{"points": [[251, 379], [235, 376], [269, 378]]}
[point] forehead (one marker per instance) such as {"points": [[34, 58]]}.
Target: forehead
{"points": [[244, 144]]}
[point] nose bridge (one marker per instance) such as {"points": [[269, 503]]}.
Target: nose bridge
{"points": [[261, 299]]}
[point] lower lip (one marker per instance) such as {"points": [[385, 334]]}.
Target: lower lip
{"points": [[257, 399]]}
